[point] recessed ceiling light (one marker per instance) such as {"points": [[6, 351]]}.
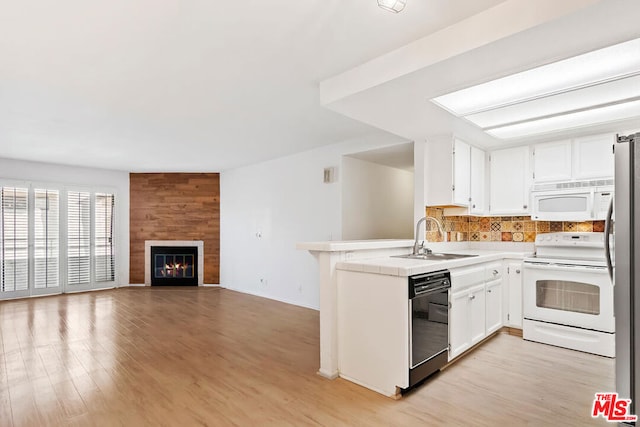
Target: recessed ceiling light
{"points": [[394, 6], [594, 80]]}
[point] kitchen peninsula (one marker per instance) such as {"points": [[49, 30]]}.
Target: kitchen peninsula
{"points": [[349, 268]]}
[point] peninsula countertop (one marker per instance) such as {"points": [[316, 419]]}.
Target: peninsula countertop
{"points": [[394, 266]]}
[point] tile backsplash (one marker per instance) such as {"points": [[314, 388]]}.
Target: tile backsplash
{"points": [[498, 228]]}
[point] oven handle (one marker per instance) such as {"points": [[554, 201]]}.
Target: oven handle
{"points": [[566, 268], [607, 245]]}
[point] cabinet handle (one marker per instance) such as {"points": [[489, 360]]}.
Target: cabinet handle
{"points": [[518, 271], [472, 297], [474, 206], [495, 272], [489, 290], [524, 206]]}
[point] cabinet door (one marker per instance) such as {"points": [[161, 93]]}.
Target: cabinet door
{"points": [[459, 336], [593, 156], [461, 172], [509, 180], [552, 161], [494, 306], [514, 288], [478, 183], [477, 313]]}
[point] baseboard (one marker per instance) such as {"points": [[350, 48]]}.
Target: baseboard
{"points": [[130, 285], [516, 332], [296, 303], [209, 286]]}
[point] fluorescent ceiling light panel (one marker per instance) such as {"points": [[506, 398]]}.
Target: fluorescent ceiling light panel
{"points": [[584, 70], [589, 97], [627, 110]]}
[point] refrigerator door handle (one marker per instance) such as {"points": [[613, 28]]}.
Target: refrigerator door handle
{"points": [[607, 243]]}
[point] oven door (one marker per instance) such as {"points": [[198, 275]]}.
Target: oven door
{"points": [[571, 295]]}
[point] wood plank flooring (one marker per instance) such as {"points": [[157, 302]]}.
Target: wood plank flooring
{"points": [[214, 357]]}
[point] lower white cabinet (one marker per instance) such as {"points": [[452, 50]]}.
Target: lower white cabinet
{"points": [[477, 311], [476, 305], [494, 306], [467, 319], [514, 294]]}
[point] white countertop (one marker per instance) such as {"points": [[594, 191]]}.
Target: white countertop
{"points": [[392, 266], [354, 245]]}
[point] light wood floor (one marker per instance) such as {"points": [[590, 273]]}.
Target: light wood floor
{"points": [[209, 357]]}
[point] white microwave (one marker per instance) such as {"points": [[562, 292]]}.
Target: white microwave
{"points": [[573, 201]]}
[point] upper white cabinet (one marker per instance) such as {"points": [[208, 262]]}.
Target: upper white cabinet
{"points": [[509, 181], [461, 172], [455, 175], [478, 184], [593, 156], [552, 161], [579, 158]]}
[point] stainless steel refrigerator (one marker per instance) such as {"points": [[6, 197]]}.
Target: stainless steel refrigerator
{"points": [[626, 251]]}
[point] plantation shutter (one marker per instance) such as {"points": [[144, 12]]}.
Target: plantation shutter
{"points": [[104, 265], [46, 238], [14, 239], [78, 237]]}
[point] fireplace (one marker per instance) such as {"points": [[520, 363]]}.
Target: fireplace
{"points": [[174, 265], [174, 262]]}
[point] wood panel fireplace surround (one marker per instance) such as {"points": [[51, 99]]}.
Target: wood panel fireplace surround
{"points": [[174, 263]]}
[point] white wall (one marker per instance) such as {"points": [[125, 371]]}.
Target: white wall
{"points": [[78, 177], [377, 201], [284, 201]]}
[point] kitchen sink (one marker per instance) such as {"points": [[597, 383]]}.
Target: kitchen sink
{"points": [[434, 256]]}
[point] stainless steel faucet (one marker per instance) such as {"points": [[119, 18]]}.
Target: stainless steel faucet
{"points": [[416, 246]]}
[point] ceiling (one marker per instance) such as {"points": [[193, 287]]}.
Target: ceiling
{"points": [[189, 85], [393, 91]]}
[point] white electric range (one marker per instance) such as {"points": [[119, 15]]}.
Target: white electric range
{"points": [[567, 293]]}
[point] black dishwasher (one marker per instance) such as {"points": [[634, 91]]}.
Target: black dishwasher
{"points": [[429, 324]]}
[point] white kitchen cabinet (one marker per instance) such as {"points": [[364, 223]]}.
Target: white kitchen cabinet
{"points": [[467, 319], [477, 311], [509, 181], [461, 172], [478, 181], [459, 334], [455, 175], [593, 156], [552, 161], [513, 281], [494, 306]]}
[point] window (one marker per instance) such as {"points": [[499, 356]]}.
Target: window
{"points": [[78, 237], [104, 266], [46, 239], [14, 239], [55, 239]]}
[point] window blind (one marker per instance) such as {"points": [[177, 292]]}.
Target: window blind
{"points": [[104, 265], [14, 239], [46, 238], [78, 237]]}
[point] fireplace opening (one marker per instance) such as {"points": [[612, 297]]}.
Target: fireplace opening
{"points": [[174, 266]]}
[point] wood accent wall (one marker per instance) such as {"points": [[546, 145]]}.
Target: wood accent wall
{"points": [[175, 206]]}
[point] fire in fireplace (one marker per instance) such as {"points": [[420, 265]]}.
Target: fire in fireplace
{"points": [[174, 265]]}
